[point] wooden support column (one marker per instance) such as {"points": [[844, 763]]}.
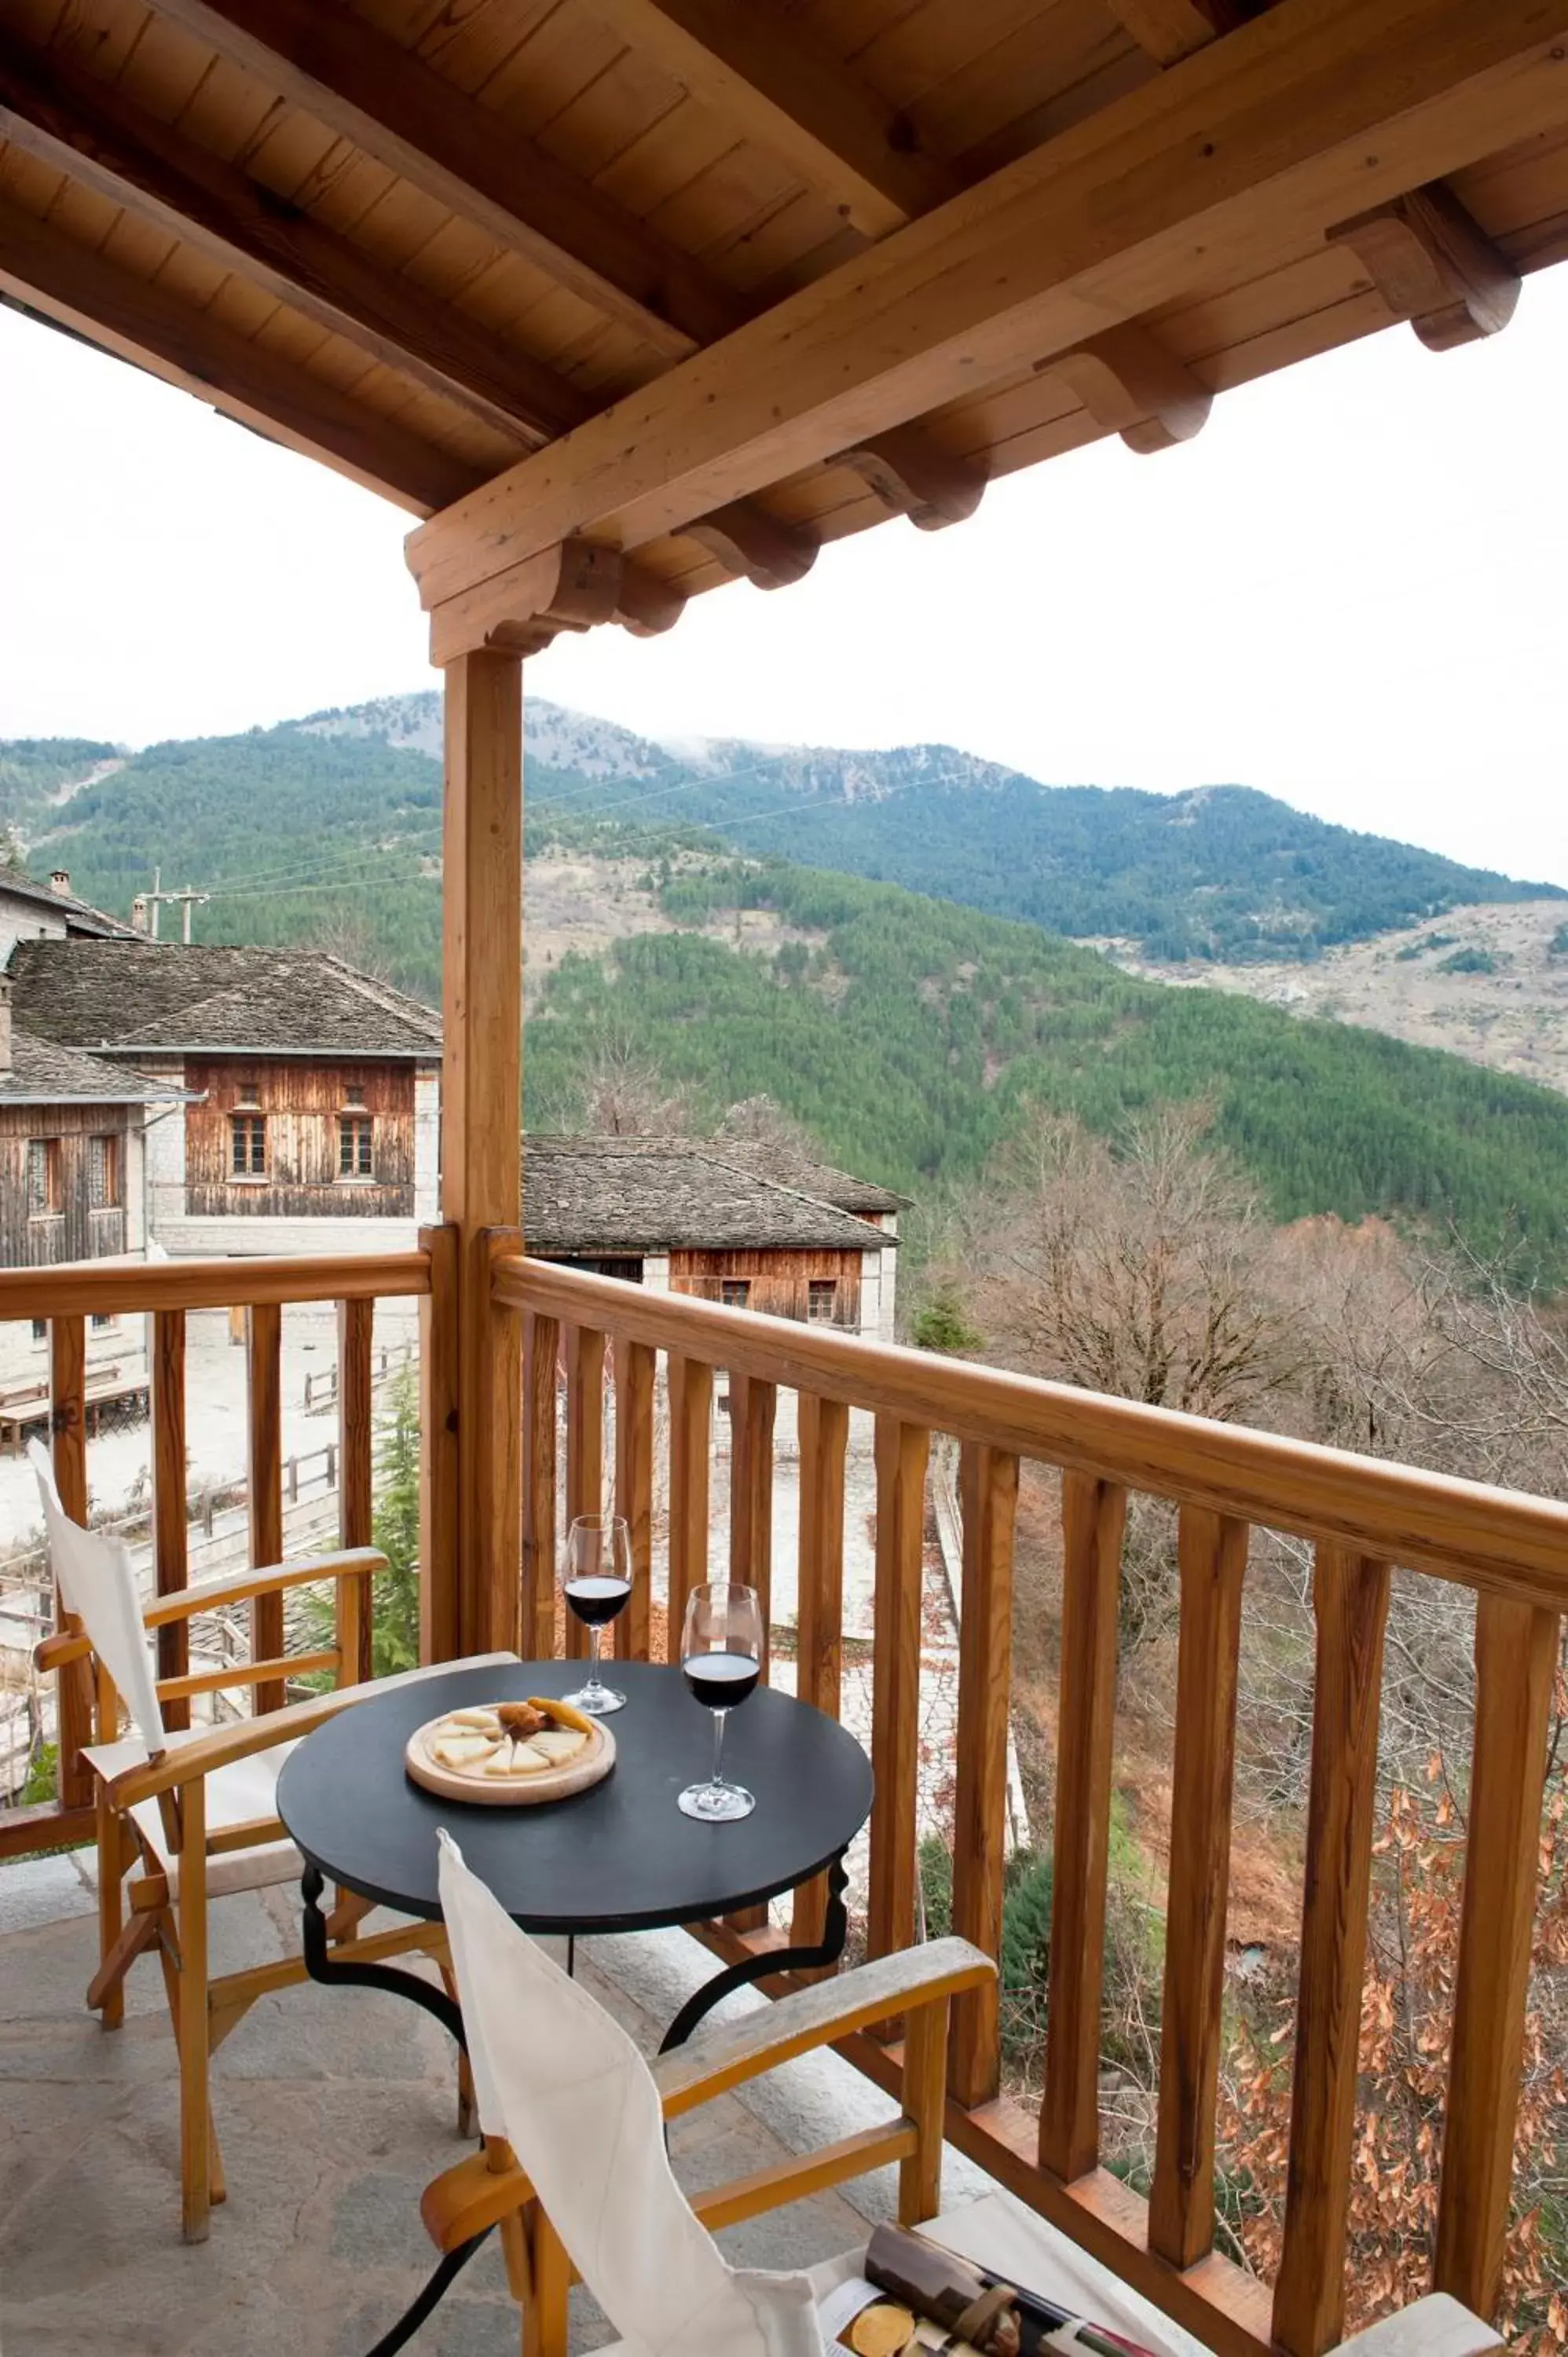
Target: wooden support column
{"points": [[481, 1144], [438, 1468]]}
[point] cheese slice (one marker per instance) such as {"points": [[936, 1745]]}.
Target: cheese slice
{"points": [[516, 1760], [464, 1751], [483, 1722], [558, 1743]]}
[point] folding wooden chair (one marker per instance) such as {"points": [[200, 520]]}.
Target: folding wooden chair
{"points": [[195, 1810], [574, 2172]]}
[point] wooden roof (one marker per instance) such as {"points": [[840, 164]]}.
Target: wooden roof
{"points": [[646, 294]]}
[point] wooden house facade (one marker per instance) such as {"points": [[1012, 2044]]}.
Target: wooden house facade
{"points": [[704, 1218], [312, 1093]]}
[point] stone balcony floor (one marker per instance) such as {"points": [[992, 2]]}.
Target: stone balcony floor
{"points": [[334, 2109]]}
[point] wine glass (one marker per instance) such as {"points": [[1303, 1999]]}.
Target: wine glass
{"points": [[721, 1661], [596, 1580]]}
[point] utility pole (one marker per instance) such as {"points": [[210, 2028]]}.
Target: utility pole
{"points": [[157, 898]]}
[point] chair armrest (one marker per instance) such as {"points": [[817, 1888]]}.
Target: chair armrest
{"points": [[207, 1594], [187, 1763], [67, 1645], [814, 2017]]}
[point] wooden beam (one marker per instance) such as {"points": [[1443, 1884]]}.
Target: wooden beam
{"points": [[1172, 29], [1132, 385], [145, 324], [572, 588], [769, 76], [94, 132], [1316, 98], [1435, 265], [481, 1155], [391, 105]]}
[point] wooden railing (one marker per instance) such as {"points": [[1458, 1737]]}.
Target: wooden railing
{"points": [[166, 1293], [1360, 1516]]}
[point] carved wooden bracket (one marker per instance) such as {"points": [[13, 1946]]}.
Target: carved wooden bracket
{"points": [[914, 477], [756, 544], [1172, 30], [573, 586], [1435, 265], [1130, 385]]}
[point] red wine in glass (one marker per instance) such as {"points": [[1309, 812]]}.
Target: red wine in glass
{"points": [[720, 1659], [596, 1580]]}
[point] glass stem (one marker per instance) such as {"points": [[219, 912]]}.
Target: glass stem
{"points": [[593, 1656], [719, 1718]]}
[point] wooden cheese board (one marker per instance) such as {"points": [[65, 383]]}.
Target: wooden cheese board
{"points": [[497, 1754]]}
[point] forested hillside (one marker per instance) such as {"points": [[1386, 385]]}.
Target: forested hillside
{"points": [[910, 1036], [304, 816]]}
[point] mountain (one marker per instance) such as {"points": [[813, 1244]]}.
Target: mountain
{"points": [[1220, 873]]}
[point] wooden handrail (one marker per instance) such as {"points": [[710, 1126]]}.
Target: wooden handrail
{"points": [[116, 1289], [1500, 1540]]}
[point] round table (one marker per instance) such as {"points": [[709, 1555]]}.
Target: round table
{"points": [[619, 1857]]}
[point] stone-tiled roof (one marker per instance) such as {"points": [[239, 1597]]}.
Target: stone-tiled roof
{"points": [[813, 1178], [604, 1195], [128, 998], [43, 1072]]}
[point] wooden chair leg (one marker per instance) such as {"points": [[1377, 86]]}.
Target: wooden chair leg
{"points": [[466, 2114], [544, 2319], [195, 2127], [107, 1994], [925, 2103]]}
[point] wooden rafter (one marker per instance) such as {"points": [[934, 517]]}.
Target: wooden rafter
{"points": [[771, 76], [1172, 30], [105, 140], [69, 283], [388, 103], [1110, 219], [1435, 265]]}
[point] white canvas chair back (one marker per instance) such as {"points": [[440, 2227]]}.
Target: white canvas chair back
{"points": [[564, 2085], [97, 1581]]}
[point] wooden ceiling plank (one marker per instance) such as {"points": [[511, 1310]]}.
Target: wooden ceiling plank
{"points": [[1435, 266], [1170, 30], [397, 109], [765, 74], [104, 138], [143, 323], [1256, 142]]}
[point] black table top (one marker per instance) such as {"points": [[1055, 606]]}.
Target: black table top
{"points": [[619, 1857]]}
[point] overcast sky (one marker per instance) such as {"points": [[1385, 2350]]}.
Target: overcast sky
{"points": [[1351, 590]]}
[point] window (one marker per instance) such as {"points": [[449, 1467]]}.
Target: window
{"points": [[40, 1330], [248, 1144], [355, 1154], [45, 1199], [821, 1300], [103, 1322], [103, 1173], [735, 1292]]}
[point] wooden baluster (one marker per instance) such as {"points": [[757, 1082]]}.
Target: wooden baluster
{"points": [[541, 1358], [823, 1428], [988, 1495], [170, 1544], [634, 1370], [1212, 1552], [901, 1453], [68, 1387], [356, 1439], [1516, 1661], [1094, 1515], [691, 1454], [440, 1465], [264, 1350], [752, 1407], [584, 1446], [1350, 1599]]}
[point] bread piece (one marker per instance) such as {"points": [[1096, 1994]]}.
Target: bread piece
{"points": [[881, 2331]]}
